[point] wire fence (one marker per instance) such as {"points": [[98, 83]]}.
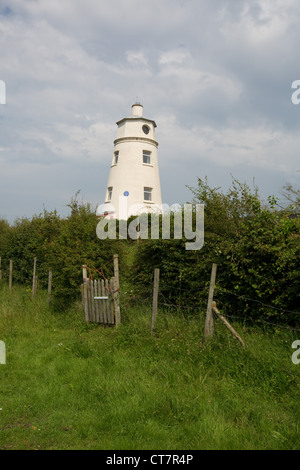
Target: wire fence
{"points": [[200, 307], [241, 296]]}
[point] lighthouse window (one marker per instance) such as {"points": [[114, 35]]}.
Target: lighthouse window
{"points": [[146, 129], [146, 157], [109, 193], [116, 158], [147, 194]]}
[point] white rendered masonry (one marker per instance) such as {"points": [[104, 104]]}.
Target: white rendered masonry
{"points": [[133, 184]]}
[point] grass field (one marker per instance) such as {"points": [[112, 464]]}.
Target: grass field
{"points": [[71, 385]]}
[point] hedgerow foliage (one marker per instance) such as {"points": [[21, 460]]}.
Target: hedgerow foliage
{"points": [[256, 248], [61, 245]]}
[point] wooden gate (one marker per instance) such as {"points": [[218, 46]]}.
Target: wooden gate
{"points": [[99, 301], [101, 297]]}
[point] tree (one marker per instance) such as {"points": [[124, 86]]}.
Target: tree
{"points": [[292, 196], [256, 248], [4, 234]]}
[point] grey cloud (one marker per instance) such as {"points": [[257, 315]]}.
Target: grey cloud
{"points": [[216, 77]]}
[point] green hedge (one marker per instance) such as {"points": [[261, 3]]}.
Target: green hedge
{"points": [[257, 250], [62, 245], [256, 247]]}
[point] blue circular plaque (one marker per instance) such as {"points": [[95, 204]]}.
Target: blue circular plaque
{"points": [[126, 193]]}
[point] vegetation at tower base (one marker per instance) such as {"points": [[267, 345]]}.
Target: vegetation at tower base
{"points": [[292, 195], [4, 234], [256, 247], [62, 245], [257, 250]]}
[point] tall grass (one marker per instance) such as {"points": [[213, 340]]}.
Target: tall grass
{"points": [[72, 385]]}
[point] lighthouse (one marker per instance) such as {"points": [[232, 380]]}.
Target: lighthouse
{"points": [[133, 185]]}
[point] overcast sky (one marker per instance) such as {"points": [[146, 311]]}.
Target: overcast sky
{"points": [[215, 75]]}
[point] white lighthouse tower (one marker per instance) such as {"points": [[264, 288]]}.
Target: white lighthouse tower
{"points": [[133, 184]]}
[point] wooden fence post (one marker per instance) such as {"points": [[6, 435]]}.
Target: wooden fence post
{"points": [[116, 294], [49, 286], [34, 281], [226, 323], [10, 275], [155, 298], [85, 293], [84, 272], [209, 320]]}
